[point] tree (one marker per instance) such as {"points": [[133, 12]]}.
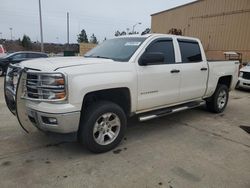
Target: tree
{"points": [[146, 31], [82, 37], [93, 39], [123, 33], [175, 31], [26, 42], [117, 33]]}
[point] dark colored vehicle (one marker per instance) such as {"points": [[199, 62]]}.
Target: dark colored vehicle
{"points": [[17, 57]]}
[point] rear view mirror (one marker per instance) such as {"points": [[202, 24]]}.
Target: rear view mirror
{"points": [[151, 59]]}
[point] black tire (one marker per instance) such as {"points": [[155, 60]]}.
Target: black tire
{"points": [[213, 103], [1, 71], [89, 119]]}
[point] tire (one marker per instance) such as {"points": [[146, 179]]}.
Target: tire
{"points": [[102, 127], [1, 71], [218, 102]]}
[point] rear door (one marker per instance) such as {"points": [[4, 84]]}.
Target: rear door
{"points": [[158, 84], [194, 70]]}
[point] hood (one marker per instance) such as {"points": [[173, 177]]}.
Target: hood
{"points": [[51, 64], [245, 69]]}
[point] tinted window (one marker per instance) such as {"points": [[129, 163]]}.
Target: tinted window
{"points": [[166, 48], [19, 56], [190, 51], [34, 55]]}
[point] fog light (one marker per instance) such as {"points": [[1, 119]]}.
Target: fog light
{"points": [[49, 120]]}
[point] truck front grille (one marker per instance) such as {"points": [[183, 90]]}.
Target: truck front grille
{"points": [[32, 86], [246, 75]]}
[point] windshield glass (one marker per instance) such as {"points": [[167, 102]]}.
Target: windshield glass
{"points": [[119, 49]]}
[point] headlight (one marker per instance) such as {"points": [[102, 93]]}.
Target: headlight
{"points": [[241, 74], [46, 86]]}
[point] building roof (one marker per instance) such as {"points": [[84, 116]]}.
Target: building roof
{"points": [[187, 4]]}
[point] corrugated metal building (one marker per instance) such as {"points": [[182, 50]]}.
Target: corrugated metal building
{"points": [[222, 25]]}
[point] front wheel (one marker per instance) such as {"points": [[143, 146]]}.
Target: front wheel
{"points": [[102, 126], [218, 102]]}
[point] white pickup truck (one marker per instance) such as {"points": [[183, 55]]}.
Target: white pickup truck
{"points": [[148, 76]]}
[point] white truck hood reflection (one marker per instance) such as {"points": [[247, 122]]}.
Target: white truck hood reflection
{"points": [[51, 64]]}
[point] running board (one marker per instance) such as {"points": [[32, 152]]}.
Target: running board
{"points": [[170, 110]]}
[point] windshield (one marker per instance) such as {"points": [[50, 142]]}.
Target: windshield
{"points": [[119, 49]]}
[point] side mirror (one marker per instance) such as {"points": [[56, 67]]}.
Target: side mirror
{"points": [[151, 59]]}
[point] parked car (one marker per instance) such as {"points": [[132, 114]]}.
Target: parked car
{"points": [[17, 57], [2, 51], [244, 77], [148, 76]]}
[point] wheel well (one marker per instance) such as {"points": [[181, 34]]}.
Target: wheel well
{"points": [[120, 96], [225, 80]]}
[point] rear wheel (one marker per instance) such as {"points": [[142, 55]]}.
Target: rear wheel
{"points": [[218, 102], [102, 126]]}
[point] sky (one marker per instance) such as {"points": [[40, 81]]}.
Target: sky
{"points": [[101, 17]]}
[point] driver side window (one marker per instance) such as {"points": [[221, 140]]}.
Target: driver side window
{"points": [[19, 56], [166, 48]]}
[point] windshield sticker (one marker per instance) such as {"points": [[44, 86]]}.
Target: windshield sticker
{"points": [[132, 43]]}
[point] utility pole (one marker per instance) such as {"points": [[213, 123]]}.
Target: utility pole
{"points": [[11, 33], [67, 28], [41, 26]]}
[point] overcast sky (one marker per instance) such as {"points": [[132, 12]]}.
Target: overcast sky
{"points": [[101, 17]]}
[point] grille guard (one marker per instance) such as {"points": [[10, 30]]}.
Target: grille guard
{"points": [[13, 96]]}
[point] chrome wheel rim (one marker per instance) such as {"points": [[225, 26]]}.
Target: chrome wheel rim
{"points": [[106, 128], [222, 98]]}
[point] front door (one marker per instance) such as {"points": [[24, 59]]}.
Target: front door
{"points": [[158, 84]]}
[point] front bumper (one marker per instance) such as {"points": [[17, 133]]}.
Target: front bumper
{"points": [[62, 123], [51, 117], [244, 83]]}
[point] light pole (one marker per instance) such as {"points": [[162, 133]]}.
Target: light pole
{"points": [[11, 33], [133, 30], [67, 28], [41, 26]]}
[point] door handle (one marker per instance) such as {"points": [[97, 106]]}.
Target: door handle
{"points": [[203, 69], [175, 71]]}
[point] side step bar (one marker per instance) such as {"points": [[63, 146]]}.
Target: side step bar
{"points": [[170, 110]]}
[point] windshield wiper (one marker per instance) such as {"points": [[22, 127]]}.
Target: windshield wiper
{"points": [[97, 56]]}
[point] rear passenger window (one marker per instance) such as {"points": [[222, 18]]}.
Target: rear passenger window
{"points": [[190, 51], [166, 48], [34, 55]]}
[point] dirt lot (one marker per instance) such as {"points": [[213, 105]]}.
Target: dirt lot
{"points": [[190, 149]]}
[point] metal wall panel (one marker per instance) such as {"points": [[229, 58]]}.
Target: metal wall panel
{"points": [[222, 25]]}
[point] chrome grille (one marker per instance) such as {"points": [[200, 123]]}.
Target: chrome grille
{"points": [[38, 86], [32, 85]]}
